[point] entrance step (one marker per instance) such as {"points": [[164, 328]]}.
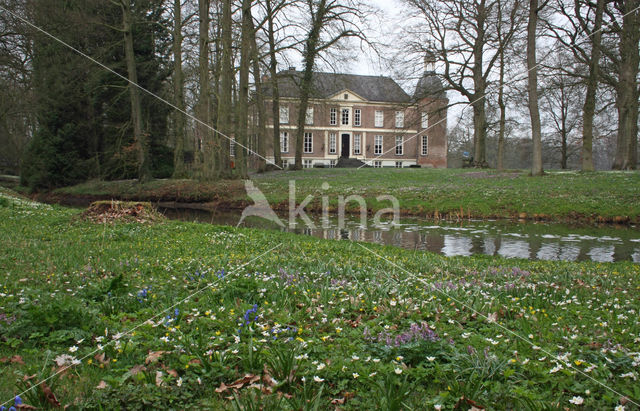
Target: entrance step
{"points": [[345, 162]]}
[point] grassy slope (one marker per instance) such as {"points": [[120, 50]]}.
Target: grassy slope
{"points": [[610, 196], [65, 280]]}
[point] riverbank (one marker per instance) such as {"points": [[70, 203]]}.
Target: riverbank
{"points": [[570, 197], [219, 317]]}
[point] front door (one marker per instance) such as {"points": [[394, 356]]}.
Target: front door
{"points": [[345, 146]]}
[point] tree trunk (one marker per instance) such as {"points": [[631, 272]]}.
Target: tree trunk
{"points": [[242, 108], [479, 98], [262, 125], [139, 135], [310, 53], [503, 113], [205, 135], [275, 93], [225, 91], [592, 85], [627, 88], [179, 170], [534, 111]]}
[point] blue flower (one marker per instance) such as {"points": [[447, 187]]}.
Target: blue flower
{"points": [[17, 400]]}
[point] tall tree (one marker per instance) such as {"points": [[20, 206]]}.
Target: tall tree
{"points": [[141, 137], [225, 92], [532, 88], [329, 22], [272, 10], [259, 99], [627, 83], [242, 105], [465, 40], [203, 112], [179, 170]]}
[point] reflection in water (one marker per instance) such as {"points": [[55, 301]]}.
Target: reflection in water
{"points": [[511, 240], [514, 248], [456, 245]]}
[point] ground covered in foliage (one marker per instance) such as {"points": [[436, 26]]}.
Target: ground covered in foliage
{"points": [[558, 196], [177, 315]]}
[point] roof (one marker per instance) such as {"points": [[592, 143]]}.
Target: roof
{"points": [[429, 85], [325, 85]]}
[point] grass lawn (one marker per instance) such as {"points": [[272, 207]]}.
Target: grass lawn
{"points": [[311, 323], [567, 196]]}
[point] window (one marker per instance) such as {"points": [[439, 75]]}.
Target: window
{"points": [[284, 142], [356, 144], [332, 163], [357, 117], [333, 120], [285, 163], [308, 143], [377, 145], [425, 120], [345, 116], [425, 145], [307, 163], [377, 164], [284, 115], [309, 117], [346, 96], [398, 164], [332, 143], [232, 147], [379, 118], [399, 145], [399, 119]]}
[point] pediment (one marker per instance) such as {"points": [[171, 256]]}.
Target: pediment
{"points": [[351, 96]]}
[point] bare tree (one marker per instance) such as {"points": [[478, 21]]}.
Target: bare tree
{"points": [[203, 111], [178, 90], [242, 104], [465, 41], [139, 135], [225, 94], [329, 22], [592, 84], [532, 88]]}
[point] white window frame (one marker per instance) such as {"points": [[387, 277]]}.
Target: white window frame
{"points": [[357, 117], [399, 145], [425, 146], [399, 164], [399, 119], [357, 144], [285, 163], [424, 121], [378, 145], [307, 145], [307, 163], [333, 116], [377, 164], [308, 119], [332, 163], [284, 114], [379, 118], [333, 145], [345, 116], [284, 142]]}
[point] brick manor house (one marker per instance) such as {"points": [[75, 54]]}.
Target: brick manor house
{"points": [[367, 118]]}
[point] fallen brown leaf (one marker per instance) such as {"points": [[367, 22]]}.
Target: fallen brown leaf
{"points": [[51, 397], [154, 356]]}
